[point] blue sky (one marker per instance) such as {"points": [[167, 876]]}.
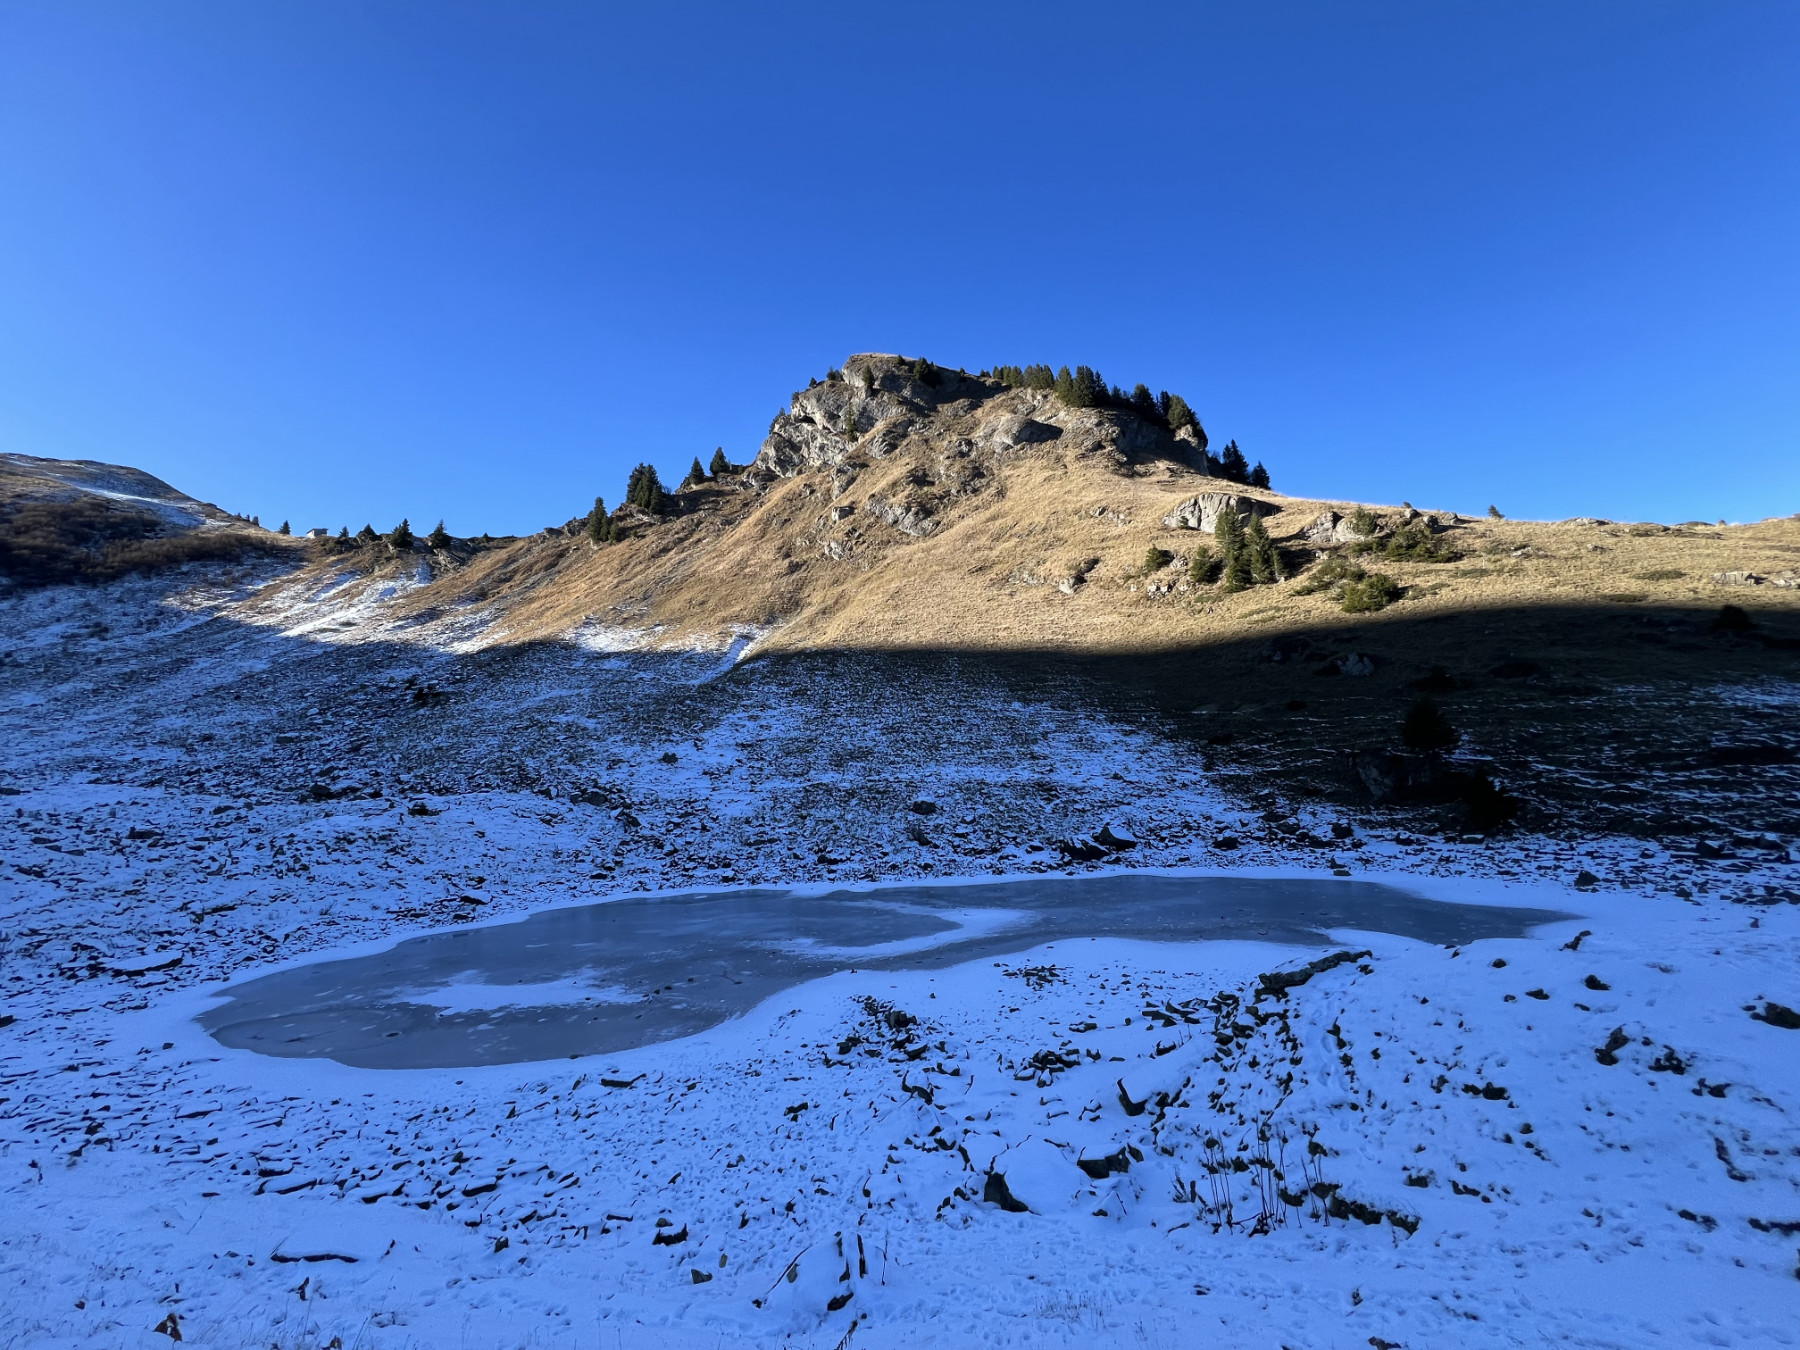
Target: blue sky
{"points": [[345, 262]]}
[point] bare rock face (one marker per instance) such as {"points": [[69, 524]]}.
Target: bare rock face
{"points": [[1009, 433], [909, 518], [875, 398], [1202, 512], [1330, 528]]}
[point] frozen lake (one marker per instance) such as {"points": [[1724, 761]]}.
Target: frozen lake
{"points": [[600, 978]]}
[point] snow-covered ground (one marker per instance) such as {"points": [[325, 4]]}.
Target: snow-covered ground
{"points": [[1582, 1136]]}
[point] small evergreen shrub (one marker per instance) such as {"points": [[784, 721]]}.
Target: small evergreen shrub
{"points": [[1328, 574], [1494, 513], [1412, 542], [1732, 619], [1157, 559], [1374, 591], [439, 538], [1364, 522], [719, 463], [367, 535], [696, 474], [284, 529], [402, 536], [1427, 730], [1204, 569]]}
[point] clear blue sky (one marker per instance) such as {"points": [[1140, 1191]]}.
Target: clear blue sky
{"points": [[345, 262]]}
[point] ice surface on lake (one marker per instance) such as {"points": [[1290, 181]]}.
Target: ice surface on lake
{"points": [[675, 965]]}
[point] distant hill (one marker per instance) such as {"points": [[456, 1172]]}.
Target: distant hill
{"points": [[78, 520]]}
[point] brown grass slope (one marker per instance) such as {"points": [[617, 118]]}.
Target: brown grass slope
{"points": [[1003, 497], [67, 520]]}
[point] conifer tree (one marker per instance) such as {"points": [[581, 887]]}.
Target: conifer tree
{"points": [[868, 379], [644, 490], [1259, 476], [696, 474], [1179, 415], [719, 463], [1143, 402], [599, 524], [343, 532], [1234, 557], [284, 529], [367, 534], [1233, 465], [402, 537], [850, 432], [1264, 558], [438, 538]]}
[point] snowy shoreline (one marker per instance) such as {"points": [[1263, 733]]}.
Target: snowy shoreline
{"points": [[150, 1174]]}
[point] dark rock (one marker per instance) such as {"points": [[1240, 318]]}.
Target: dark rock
{"points": [[1131, 1108], [1778, 1015], [1277, 984], [923, 808], [1586, 878], [1101, 1168], [994, 1191], [1118, 844]]}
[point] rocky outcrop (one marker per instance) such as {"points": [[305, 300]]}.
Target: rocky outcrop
{"points": [[1330, 528], [1202, 512], [1009, 433], [878, 403], [912, 518], [875, 398]]}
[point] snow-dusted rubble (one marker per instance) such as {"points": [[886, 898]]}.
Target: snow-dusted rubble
{"points": [[1584, 1136]]}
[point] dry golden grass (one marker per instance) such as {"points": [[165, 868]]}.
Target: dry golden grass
{"points": [[738, 558]]}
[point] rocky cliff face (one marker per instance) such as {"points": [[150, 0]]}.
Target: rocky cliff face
{"points": [[881, 404]]}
